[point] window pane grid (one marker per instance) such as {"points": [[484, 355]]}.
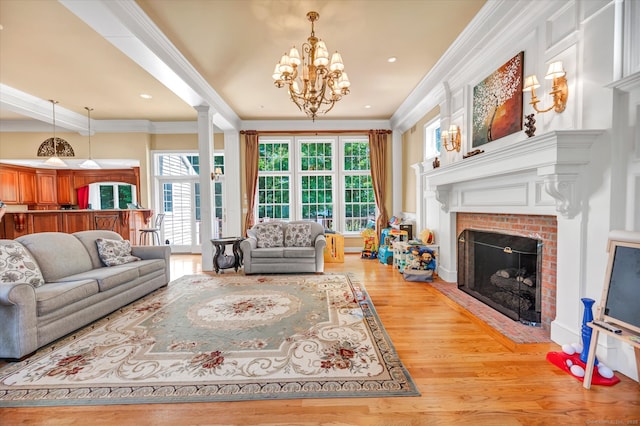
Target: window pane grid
{"points": [[317, 199], [316, 156], [360, 204], [273, 197], [273, 156], [356, 156]]}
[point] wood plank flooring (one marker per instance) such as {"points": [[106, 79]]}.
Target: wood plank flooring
{"points": [[465, 374]]}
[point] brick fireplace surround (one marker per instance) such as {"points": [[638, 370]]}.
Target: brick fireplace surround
{"points": [[539, 227]]}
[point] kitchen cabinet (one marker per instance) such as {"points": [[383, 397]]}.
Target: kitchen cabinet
{"points": [[9, 186], [27, 187]]}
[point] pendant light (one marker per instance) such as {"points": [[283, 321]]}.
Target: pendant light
{"points": [[54, 160], [89, 164]]}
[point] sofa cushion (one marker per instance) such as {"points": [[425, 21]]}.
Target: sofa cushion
{"points": [[277, 252], [115, 252], [54, 296], [148, 266], [299, 252], [17, 265], [269, 235], [108, 278], [297, 235], [54, 262]]}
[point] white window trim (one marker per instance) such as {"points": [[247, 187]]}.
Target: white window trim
{"points": [[430, 150]]}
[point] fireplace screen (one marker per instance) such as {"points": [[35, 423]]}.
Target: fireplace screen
{"points": [[503, 271]]}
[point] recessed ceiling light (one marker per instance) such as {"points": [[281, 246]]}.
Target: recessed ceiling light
{"points": [[145, 96], [367, 106], [392, 59]]}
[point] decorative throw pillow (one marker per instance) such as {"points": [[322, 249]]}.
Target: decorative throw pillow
{"points": [[17, 265], [269, 235], [115, 252], [298, 235]]}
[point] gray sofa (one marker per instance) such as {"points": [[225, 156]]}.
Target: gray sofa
{"points": [[278, 247], [78, 289]]}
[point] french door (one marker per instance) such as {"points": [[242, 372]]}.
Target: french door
{"points": [[179, 200], [177, 195]]}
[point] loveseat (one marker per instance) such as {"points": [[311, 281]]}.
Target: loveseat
{"points": [[278, 247], [53, 283]]}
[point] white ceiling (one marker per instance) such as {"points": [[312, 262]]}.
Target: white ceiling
{"points": [[230, 47]]}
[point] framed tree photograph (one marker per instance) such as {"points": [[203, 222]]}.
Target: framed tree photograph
{"points": [[497, 103]]}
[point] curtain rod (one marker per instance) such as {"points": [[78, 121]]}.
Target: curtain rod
{"points": [[313, 132]]}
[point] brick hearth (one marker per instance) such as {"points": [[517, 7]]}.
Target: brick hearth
{"points": [[532, 226]]}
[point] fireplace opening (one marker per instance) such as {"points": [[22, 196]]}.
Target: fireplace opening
{"points": [[502, 271]]}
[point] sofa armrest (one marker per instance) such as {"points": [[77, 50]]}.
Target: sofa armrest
{"points": [[155, 252], [247, 245], [320, 243], [320, 240], [18, 316]]}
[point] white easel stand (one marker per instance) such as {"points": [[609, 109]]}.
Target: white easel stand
{"points": [[625, 336]]}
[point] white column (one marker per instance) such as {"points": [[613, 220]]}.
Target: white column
{"points": [[396, 173], [420, 201], [205, 150], [571, 243]]}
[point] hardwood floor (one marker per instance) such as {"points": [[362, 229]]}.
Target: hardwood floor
{"points": [[465, 374]]}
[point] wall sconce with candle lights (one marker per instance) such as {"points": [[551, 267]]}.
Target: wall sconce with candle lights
{"points": [[217, 173], [451, 138], [559, 91]]}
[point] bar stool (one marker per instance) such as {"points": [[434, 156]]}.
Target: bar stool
{"points": [[154, 232]]}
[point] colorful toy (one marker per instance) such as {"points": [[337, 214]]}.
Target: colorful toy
{"points": [[388, 236], [427, 237], [421, 264], [370, 250]]}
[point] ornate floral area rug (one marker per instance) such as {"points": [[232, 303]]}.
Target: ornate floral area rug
{"points": [[220, 338]]}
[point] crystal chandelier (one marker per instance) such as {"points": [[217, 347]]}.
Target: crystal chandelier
{"points": [[321, 83]]}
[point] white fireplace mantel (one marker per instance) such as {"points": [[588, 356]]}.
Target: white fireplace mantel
{"points": [[557, 157]]}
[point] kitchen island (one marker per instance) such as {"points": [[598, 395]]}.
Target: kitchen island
{"points": [[18, 223]]}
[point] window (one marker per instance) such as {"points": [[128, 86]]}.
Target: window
{"points": [[111, 195], [218, 205], [316, 180], [274, 178], [179, 194], [432, 142], [326, 179], [167, 197], [360, 204]]}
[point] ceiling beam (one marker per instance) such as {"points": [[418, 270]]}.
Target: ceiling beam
{"points": [[125, 25]]}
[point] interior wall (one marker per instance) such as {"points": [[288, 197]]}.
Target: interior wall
{"points": [[412, 153], [135, 146], [174, 142]]}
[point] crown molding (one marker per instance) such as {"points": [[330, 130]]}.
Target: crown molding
{"points": [[487, 40], [308, 125]]}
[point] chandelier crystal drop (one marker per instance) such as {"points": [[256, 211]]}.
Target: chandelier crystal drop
{"points": [[315, 82]]}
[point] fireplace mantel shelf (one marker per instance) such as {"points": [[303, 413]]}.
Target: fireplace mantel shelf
{"points": [[557, 157]]}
